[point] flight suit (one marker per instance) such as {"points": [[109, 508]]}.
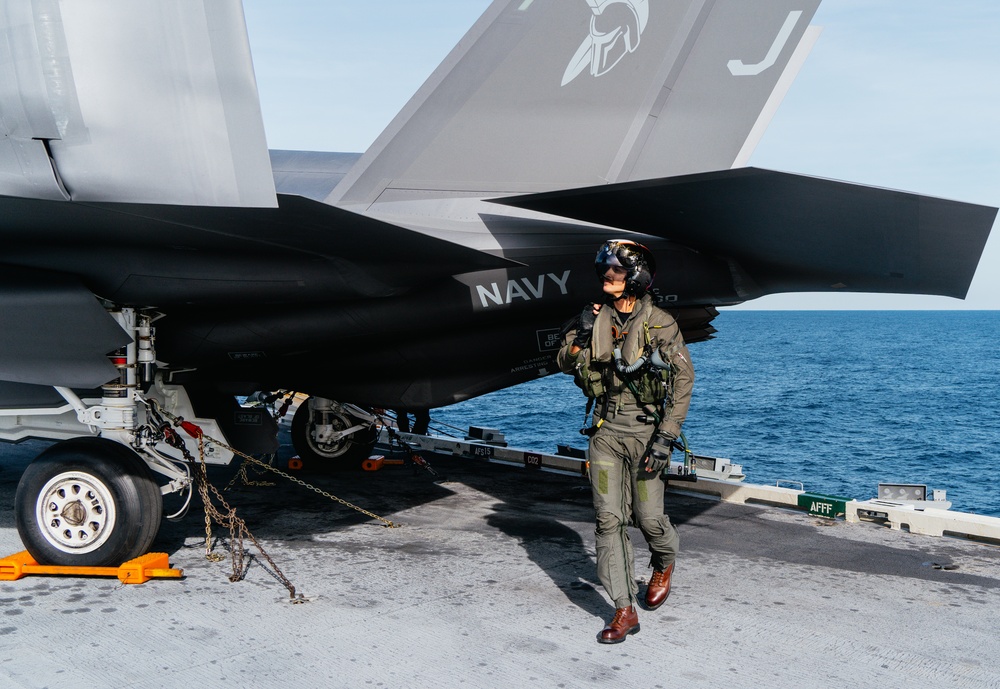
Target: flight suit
{"points": [[623, 492]]}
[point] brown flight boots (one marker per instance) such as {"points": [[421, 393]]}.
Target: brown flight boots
{"points": [[659, 587], [625, 622]]}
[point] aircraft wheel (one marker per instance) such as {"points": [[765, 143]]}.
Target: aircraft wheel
{"points": [[346, 453], [87, 502]]}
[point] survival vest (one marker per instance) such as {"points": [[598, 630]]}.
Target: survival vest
{"points": [[649, 384]]}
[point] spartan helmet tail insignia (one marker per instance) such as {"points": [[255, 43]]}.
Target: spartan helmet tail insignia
{"points": [[615, 29]]}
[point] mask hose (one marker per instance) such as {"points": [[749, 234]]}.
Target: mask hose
{"points": [[653, 358]]}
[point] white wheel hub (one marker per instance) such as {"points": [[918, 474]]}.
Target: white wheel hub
{"points": [[319, 436], [75, 512]]}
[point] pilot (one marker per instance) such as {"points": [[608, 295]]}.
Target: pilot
{"points": [[629, 357]]}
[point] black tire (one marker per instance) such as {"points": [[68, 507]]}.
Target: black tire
{"points": [[117, 523], [347, 453]]}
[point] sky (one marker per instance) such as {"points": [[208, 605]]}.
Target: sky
{"points": [[900, 94]]}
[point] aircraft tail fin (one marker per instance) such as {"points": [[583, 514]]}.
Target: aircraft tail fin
{"points": [[136, 101], [548, 95]]}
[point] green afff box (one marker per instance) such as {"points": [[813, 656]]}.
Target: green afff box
{"points": [[820, 505]]}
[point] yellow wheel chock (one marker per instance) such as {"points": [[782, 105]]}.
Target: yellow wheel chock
{"points": [[137, 571]]}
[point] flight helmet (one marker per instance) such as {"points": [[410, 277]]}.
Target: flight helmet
{"points": [[636, 259]]}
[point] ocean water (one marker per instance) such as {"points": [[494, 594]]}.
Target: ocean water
{"points": [[837, 400]]}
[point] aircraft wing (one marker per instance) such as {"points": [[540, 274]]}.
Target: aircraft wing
{"points": [[161, 255], [59, 254], [139, 101], [782, 232]]}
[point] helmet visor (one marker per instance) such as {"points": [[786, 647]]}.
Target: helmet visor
{"points": [[606, 257], [614, 256]]}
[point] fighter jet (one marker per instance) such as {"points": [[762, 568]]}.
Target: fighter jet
{"points": [[158, 261]]}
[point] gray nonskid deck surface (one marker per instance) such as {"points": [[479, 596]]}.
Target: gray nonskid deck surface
{"points": [[490, 582]]}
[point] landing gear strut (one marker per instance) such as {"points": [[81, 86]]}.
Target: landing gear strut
{"points": [[91, 499]]}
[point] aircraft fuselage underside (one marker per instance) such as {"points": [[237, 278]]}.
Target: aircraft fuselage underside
{"points": [[227, 319]]}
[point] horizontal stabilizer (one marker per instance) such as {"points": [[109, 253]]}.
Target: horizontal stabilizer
{"points": [[791, 233]]}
